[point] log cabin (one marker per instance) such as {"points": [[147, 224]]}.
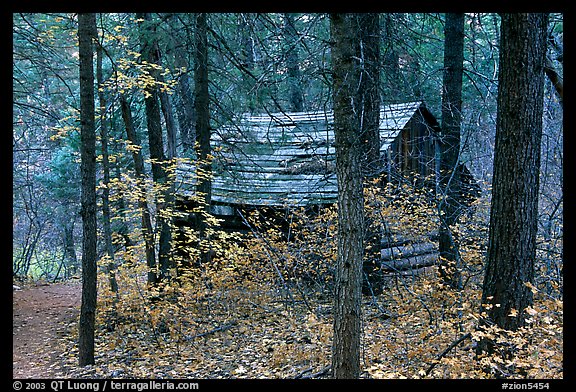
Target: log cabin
{"points": [[278, 161], [288, 159]]}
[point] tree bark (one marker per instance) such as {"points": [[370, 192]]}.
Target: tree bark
{"points": [[450, 205], [368, 106], [348, 281], [171, 131], [149, 51], [185, 105], [86, 33], [369, 90], [147, 229], [111, 266], [514, 209], [296, 97], [394, 84], [556, 79], [69, 248], [246, 59], [202, 108], [178, 44]]}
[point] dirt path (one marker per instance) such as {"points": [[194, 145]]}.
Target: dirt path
{"points": [[41, 315]]}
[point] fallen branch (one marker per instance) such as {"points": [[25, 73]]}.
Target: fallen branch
{"points": [[450, 347], [321, 372], [221, 328]]}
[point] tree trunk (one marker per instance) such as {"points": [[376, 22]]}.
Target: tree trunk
{"points": [[69, 248], [202, 106], [395, 87], [556, 79], [450, 206], [246, 57], [348, 281], [149, 51], [171, 131], [147, 229], [514, 209], [368, 98], [185, 104], [403, 251], [86, 33], [292, 64], [369, 90], [111, 266]]}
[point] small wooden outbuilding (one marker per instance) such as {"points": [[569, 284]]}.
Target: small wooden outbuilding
{"points": [[288, 159]]}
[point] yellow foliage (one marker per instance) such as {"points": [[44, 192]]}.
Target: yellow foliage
{"points": [[263, 306]]}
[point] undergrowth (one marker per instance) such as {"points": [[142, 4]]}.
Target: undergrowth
{"points": [[263, 308]]}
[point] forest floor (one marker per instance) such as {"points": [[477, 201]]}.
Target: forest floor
{"points": [[239, 332], [42, 315]]}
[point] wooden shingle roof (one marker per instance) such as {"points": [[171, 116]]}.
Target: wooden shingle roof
{"points": [[282, 158]]}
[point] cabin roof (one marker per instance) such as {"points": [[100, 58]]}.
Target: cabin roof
{"points": [[283, 158]]}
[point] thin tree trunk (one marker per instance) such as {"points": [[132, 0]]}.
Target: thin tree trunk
{"points": [[184, 102], [296, 97], [450, 206], [123, 225], [201, 103], [149, 51], [69, 248], [106, 216], [348, 281], [246, 57], [86, 33], [395, 87], [147, 229], [556, 79], [29, 248], [171, 131], [368, 107], [369, 90]]}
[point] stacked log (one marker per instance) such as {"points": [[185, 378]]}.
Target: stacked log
{"points": [[402, 255]]}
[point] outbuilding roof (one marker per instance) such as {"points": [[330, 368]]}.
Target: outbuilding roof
{"points": [[283, 158]]}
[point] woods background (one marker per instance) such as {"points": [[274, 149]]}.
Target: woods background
{"points": [[183, 292]]}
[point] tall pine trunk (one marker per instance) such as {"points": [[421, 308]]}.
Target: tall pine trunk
{"points": [[86, 33], [147, 229], [450, 208], [368, 98], [246, 56], [369, 90], [202, 106], [179, 42], [514, 209], [69, 247], [348, 282], [149, 51], [296, 96], [106, 215]]}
